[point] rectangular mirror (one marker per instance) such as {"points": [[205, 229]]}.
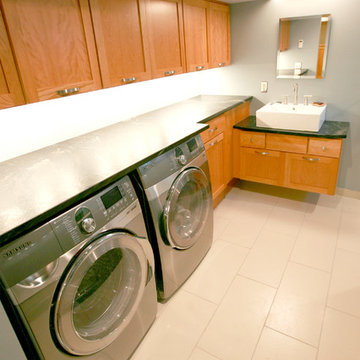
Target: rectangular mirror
{"points": [[303, 45]]}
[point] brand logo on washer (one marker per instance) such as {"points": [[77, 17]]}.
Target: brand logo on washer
{"points": [[11, 252]]}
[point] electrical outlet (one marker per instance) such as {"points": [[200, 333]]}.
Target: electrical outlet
{"points": [[264, 86]]}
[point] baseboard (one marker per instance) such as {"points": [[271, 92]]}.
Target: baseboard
{"points": [[348, 193]]}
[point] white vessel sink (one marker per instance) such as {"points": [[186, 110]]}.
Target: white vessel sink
{"points": [[291, 117]]}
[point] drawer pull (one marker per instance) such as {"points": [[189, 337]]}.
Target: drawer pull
{"points": [[213, 143], [311, 159], [324, 148], [70, 91], [221, 64], [212, 130], [128, 80], [200, 67], [251, 140], [167, 73], [262, 152]]}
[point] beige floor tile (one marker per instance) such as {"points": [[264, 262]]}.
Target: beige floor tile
{"points": [[219, 226], [315, 245], [242, 231], [267, 259], [349, 232], [276, 346], [236, 326], [286, 220], [176, 332], [299, 305], [344, 291], [351, 205], [340, 337], [216, 272], [199, 354]]}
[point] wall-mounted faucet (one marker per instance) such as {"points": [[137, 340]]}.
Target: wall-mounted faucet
{"points": [[296, 89]]}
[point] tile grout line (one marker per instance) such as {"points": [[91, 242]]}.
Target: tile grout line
{"points": [[330, 280], [290, 336], [343, 312], [277, 289]]}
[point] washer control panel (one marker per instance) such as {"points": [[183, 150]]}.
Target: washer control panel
{"points": [[81, 222]]}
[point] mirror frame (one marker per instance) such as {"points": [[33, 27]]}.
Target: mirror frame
{"points": [[323, 45]]}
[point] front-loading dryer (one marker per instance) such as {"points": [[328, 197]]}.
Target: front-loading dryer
{"points": [[177, 197], [83, 283]]}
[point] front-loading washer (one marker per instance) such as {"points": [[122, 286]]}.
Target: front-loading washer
{"points": [[83, 283], [176, 192]]}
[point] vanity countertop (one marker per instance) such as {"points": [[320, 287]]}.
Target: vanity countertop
{"points": [[40, 185], [329, 129]]}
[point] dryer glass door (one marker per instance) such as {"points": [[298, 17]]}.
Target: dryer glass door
{"points": [[187, 208], [100, 293]]}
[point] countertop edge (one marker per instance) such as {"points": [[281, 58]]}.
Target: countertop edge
{"points": [[244, 125]]}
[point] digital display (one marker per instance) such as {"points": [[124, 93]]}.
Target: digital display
{"points": [[111, 197], [192, 145]]}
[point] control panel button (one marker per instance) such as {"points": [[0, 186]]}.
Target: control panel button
{"points": [[181, 159], [88, 225]]}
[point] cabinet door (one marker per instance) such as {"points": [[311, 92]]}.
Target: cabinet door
{"points": [[121, 41], [219, 35], [215, 153], [261, 165], [10, 89], [54, 46], [311, 173], [196, 20], [165, 24]]}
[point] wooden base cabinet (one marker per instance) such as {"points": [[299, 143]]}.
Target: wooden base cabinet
{"points": [[297, 162], [311, 173], [218, 142]]}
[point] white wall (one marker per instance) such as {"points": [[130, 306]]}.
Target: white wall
{"points": [[30, 127], [254, 31]]}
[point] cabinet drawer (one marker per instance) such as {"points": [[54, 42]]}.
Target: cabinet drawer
{"points": [[325, 147], [311, 173], [252, 139], [216, 126], [261, 165], [296, 144]]}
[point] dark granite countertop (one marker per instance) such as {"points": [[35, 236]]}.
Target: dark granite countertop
{"points": [[40, 185], [329, 129]]}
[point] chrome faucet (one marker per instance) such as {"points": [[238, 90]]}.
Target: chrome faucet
{"points": [[296, 88]]}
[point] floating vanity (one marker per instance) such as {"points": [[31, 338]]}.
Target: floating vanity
{"points": [[303, 160]]}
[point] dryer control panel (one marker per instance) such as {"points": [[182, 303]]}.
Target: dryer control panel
{"points": [[171, 161]]}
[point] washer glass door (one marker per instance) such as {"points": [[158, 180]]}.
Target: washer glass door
{"points": [[187, 208], [100, 293]]}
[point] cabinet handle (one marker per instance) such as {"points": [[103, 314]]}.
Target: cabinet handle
{"points": [[124, 80], [200, 67], [324, 148], [167, 73], [262, 152], [213, 143], [70, 91], [311, 159], [221, 64], [212, 130], [251, 140]]}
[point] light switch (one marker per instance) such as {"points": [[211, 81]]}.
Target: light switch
{"points": [[264, 86]]}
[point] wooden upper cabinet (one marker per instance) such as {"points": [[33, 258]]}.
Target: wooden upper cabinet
{"points": [[219, 35], [165, 25], [54, 46], [196, 20], [10, 89], [284, 35], [121, 39]]}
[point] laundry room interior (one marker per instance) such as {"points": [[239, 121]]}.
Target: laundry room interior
{"points": [[179, 180]]}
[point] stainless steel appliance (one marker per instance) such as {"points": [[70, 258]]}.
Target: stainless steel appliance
{"points": [[83, 283], [177, 193]]}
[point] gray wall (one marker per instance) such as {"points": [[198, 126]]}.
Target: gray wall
{"points": [[254, 31]]}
